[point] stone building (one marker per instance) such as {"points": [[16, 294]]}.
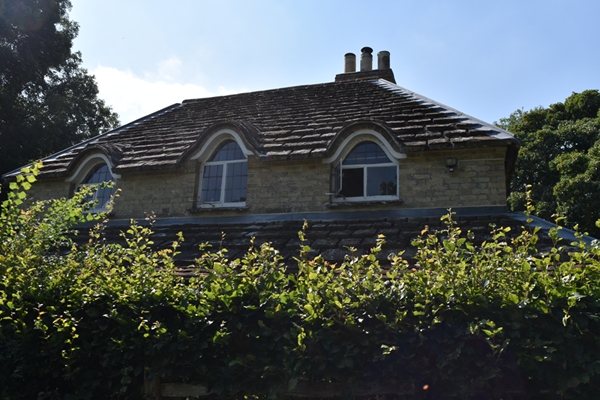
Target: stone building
{"points": [[360, 148]]}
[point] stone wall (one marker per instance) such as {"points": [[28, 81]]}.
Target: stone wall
{"points": [[50, 189], [287, 186], [302, 185], [164, 194], [478, 180]]}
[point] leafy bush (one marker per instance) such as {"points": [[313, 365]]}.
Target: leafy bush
{"points": [[489, 321]]}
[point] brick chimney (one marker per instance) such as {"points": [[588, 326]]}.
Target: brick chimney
{"points": [[383, 70]]}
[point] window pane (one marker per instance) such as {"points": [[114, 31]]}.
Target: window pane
{"points": [[211, 183], [228, 151], [99, 174], [336, 182], [381, 181], [352, 182], [366, 153], [235, 182], [103, 196]]}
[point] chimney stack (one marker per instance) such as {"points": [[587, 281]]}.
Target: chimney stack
{"points": [[383, 71], [349, 62], [366, 59]]}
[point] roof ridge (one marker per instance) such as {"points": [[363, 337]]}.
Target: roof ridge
{"points": [[310, 85], [255, 92]]}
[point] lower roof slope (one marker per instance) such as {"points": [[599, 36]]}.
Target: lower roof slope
{"points": [[332, 239]]}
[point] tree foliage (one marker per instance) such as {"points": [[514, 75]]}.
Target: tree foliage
{"points": [[488, 321], [559, 158], [47, 101]]}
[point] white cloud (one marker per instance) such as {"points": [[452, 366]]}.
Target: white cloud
{"points": [[169, 69], [133, 97]]}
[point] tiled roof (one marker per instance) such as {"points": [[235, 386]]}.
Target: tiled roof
{"points": [[288, 123], [331, 239]]}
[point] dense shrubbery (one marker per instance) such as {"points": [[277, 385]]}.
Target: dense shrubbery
{"points": [[485, 322]]}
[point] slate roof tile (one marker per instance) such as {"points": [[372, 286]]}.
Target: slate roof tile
{"points": [[300, 152], [365, 233], [350, 242], [341, 234], [441, 143], [339, 255], [408, 129], [318, 151], [325, 243], [428, 135], [368, 242]]}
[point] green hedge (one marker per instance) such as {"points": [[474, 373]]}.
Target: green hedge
{"points": [[498, 320]]}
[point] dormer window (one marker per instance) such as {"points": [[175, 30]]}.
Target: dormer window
{"points": [[367, 173], [224, 177], [93, 169], [100, 173]]}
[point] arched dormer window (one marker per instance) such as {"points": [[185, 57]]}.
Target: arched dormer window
{"points": [[224, 177], [366, 174], [100, 173], [365, 166], [95, 169]]}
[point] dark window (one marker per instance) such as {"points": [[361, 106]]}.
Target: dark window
{"points": [[368, 172], [100, 174], [211, 183], [225, 176], [367, 153], [381, 181]]}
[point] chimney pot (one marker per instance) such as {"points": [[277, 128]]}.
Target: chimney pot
{"points": [[383, 71], [350, 62], [366, 59], [383, 60]]}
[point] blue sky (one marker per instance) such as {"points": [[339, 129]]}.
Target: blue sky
{"points": [[484, 58]]}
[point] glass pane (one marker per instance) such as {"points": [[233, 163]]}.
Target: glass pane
{"points": [[211, 183], [381, 181], [228, 151], [366, 153], [336, 181], [352, 182], [103, 195], [99, 174], [235, 182]]}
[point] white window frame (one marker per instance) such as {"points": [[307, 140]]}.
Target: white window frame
{"points": [[83, 171], [364, 168], [345, 148], [205, 153], [221, 203]]}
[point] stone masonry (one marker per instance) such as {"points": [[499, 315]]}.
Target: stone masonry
{"points": [[303, 186]]}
